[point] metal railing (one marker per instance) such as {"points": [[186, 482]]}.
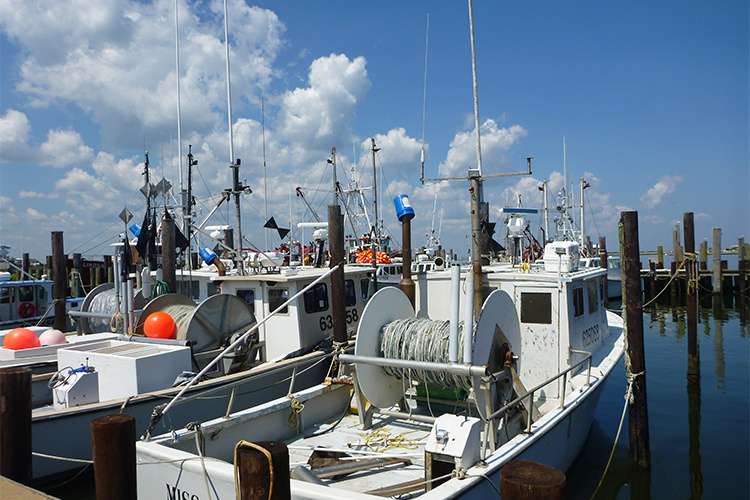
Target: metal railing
{"points": [[529, 394]]}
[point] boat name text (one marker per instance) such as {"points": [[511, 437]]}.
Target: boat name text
{"points": [[590, 335]]}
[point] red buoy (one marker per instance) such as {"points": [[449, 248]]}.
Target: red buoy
{"points": [[21, 338], [159, 325]]}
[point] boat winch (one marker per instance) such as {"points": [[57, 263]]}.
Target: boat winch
{"points": [[210, 326], [395, 350]]}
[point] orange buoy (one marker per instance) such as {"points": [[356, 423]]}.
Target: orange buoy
{"points": [[159, 325], [21, 338]]}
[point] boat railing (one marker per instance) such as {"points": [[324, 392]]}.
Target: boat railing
{"points": [[529, 394]]}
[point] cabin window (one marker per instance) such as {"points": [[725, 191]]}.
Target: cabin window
{"points": [[26, 294], [41, 293], [211, 289], [578, 301], [248, 296], [364, 285], [400, 269], [350, 293], [6, 295], [536, 308], [601, 290], [593, 296], [316, 299], [276, 297]]}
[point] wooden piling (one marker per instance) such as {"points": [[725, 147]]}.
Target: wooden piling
{"points": [[676, 244], [635, 359], [15, 424], [704, 255], [525, 480], [716, 252], [263, 469], [168, 252], [108, 271], [660, 257], [336, 247], [77, 281], [113, 445], [60, 285], [691, 278], [49, 267], [25, 266], [741, 267]]}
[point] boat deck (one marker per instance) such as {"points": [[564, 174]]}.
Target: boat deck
{"points": [[388, 438]]}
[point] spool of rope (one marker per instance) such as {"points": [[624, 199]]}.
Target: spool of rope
{"points": [[420, 339], [210, 324], [103, 300], [388, 328]]}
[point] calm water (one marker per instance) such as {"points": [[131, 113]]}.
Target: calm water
{"points": [[700, 442], [699, 439]]}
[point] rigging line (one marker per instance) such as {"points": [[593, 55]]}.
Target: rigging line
{"points": [[592, 214]]}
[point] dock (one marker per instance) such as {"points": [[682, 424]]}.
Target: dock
{"points": [[11, 490]]}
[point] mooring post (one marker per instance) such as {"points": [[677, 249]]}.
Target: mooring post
{"points": [[635, 359], [716, 252], [704, 255], [109, 276], [741, 267], [77, 281], [525, 480], [60, 285], [691, 279], [603, 264], [336, 246], [660, 257], [263, 469], [25, 266], [168, 253], [113, 445], [15, 424]]}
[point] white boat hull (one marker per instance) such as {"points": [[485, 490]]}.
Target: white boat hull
{"points": [[556, 440], [66, 433]]}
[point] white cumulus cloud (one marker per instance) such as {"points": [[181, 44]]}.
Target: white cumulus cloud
{"points": [[666, 185]]}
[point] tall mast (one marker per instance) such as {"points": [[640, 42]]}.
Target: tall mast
{"points": [[234, 165], [475, 180], [265, 179], [424, 94], [376, 232], [183, 193]]}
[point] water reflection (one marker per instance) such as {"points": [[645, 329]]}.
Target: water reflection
{"points": [[694, 424]]}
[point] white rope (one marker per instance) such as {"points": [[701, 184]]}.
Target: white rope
{"points": [[420, 339]]}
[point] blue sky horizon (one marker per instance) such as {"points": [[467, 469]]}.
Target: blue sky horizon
{"points": [[651, 98]]}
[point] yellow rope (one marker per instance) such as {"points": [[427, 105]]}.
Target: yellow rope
{"points": [[617, 437], [380, 440], [237, 470], [296, 407]]}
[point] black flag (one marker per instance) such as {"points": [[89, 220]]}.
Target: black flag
{"points": [[127, 258], [271, 224], [144, 237]]}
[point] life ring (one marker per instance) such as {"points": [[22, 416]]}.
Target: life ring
{"points": [[26, 309]]}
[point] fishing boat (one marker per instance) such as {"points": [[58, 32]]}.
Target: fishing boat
{"points": [[523, 386], [440, 405]]}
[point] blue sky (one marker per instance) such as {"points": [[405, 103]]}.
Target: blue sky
{"points": [[652, 98]]}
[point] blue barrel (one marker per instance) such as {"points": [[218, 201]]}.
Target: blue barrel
{"points": [[403, 207], [207, 255], [135, 229]]}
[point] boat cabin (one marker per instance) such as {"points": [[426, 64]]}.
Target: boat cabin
{"points": [[308, 320], [23, 302]]}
